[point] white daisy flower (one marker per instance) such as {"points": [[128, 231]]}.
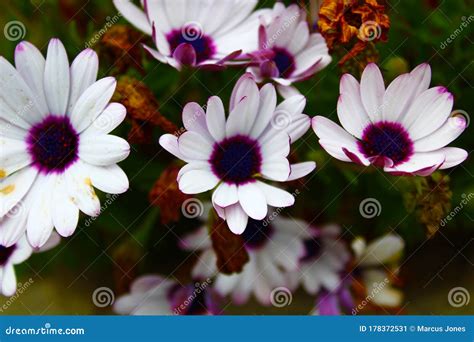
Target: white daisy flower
{"points": [[403, 128], [54, 125], [372, 269], [14, 255], [274, 246], [287, 51], [325, 258], [234, 155], [204, 33], [154, 295]]}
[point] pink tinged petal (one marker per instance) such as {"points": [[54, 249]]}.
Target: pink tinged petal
{"points": [[56, 78], [242, 117], [287, 91], [429, 112], [215, 118], [236, 218], [372, 90], [276, 169], [265, 111], [18, 104], [193, 165], [269, 69], [185, 54], [454, 156], [379, 161], [262, 37], [230, 57], [156, 14], [170, 143], [452, 129], [103, 149], [92, 102], [193, 146], [253, 201], [421, 163], [30, 65], [64, 212], [301, 170], [194, 119], [220, 211], [328, 305], [300, 38], [421, 77], [52, 242], [13, 156], [197, 181], [240, 90], [79, 186], [350, 110], [40, 217], [84, 70], [134, 15], [14, 188], [110, 179], [107, 121], [225, 195], [276, 197], [8, 279], [155, 54]]}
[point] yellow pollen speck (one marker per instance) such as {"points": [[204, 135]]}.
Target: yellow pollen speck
{"points": [[88, 181], [3, 173], [8, 189]]}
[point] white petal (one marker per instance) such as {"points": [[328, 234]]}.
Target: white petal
{"points": [[65, 213], [197, 181], [300, 170], [240, 90], [452, 129], [242, 117], [193, 146], [11, 131], [454, 156], [13, 156], [236, 218], [266, 109], [298, 126], [30, 64], [110, 179], [108, 120], [372, 89], [134, 15], [170, 143], [421, 163], [13, 225], [103, 149], [79, 186], [276, 197], [40, 217], [252, 201], [14, 187], [382, 250], [350, 111], [22, 252], [92, 102], [429, 112], [194, 120], [205, 266], [293, 105], [277, 169], [8, 280], [225, 195], [84, 70], [56, 78], [215, 118], [276, 145]]}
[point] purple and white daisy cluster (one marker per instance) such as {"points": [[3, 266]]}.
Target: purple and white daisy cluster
{"points": [[56, 149]]}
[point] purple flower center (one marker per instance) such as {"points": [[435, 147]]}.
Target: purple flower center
{"points": [[386, 139], [312, 247], [5, 254], [257, 233], [284, 61], [53, 144], [236, 160], [192, 34]]}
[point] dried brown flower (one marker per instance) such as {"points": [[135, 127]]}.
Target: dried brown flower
{"points": [[166, 195], [142, 110], [229, 248]]}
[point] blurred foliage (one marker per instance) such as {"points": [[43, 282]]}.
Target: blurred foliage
{"points": [[129, 239]]}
